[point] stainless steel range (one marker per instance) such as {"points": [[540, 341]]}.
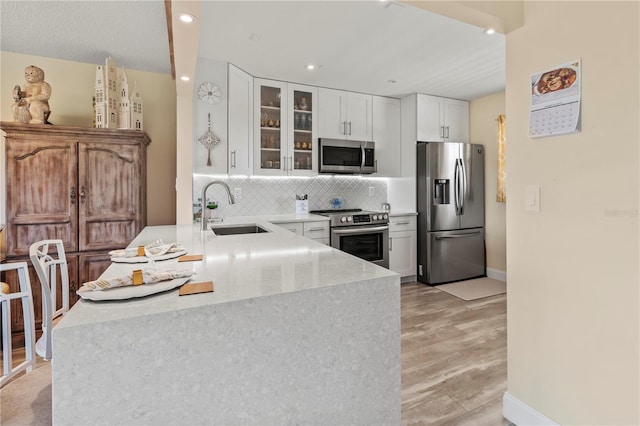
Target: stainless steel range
{"points": [[360, 233]]}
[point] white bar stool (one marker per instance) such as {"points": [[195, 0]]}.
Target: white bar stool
{"points": [[47, 264], [24, 295]]}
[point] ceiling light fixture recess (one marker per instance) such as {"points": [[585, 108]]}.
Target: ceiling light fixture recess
{"points": [[391, 80], [187, 18], [489, 31], [311, 67]]}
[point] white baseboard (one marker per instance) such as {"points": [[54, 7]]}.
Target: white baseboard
{"points": [[519, 413], [497, 274]]}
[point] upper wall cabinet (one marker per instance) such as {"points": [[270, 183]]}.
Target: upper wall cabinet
{"points": [[285, 128], [345, 115], [386, 135], [442, 119], [240, 121]]}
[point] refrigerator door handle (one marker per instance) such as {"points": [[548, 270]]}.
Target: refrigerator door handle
{"points": [[463, 193], [456, 189], [470, 234]]}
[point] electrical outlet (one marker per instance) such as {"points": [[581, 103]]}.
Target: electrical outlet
{"points": [[372, 191], [237, 193]]}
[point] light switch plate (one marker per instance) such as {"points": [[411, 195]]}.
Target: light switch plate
{"points": [[532, 198], [237, 193]]}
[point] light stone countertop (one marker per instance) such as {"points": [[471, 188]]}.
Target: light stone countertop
{"points": [[241, 267], [296, 332]]}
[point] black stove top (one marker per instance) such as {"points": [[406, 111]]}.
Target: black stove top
{"points": [[330, 211]]}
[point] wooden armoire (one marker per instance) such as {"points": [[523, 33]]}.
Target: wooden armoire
{"points": [[84, 186]]}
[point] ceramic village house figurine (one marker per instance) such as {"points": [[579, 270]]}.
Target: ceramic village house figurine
{"points": [[32, 103]]}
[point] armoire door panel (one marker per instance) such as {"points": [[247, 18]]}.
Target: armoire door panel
{"points": [[41, 193], [110, 201]]}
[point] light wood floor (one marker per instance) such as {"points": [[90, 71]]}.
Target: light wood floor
{"points": [[454, 358]]}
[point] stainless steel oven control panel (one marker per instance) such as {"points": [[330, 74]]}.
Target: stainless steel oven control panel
{"points": [[349, 219]]}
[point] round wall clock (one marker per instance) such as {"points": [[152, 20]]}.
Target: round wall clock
{"points": [[209, 93]]}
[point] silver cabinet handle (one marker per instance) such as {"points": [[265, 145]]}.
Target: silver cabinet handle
{"points": [[364, 230], [233, 159], [390, 243], [317, 229], [401, 223], [442, 132], [344, 128], [349, 127], [284, 163], [447, 127], [291, 163], [73, 195], [445, 237]]}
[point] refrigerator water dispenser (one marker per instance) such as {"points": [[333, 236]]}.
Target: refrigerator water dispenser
{"points": [[441, 191]]}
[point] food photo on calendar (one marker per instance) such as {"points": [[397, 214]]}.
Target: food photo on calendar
{"points": [[555, 101]]}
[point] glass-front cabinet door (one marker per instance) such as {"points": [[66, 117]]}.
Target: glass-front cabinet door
{"points": [[271, 135], [285, 136], [303, 107]]}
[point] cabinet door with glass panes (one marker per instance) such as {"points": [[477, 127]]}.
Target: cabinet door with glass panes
{"points": [[303, 107], [271, 137]]}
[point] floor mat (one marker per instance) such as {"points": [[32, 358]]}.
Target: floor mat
{"points": [[474, 289]]}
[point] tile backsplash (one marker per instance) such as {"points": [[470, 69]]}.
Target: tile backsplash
{"points": [[267, 195]]}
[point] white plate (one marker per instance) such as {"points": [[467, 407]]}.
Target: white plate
{"points": [[131, 291], [145, 259]]}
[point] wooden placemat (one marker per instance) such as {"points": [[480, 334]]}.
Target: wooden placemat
{"points": [[190, 258], [195, 288]]}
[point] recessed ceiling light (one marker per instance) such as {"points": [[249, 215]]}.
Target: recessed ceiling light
{"points": [[489, 31], [311, 67], [185, 78], [392, 81], [187, 18]]}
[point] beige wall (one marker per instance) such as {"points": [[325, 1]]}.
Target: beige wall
{"points": [[483, 128], [573, 292], [72, 86]]}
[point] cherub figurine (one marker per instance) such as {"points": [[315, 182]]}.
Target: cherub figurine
{"points": [[32, 104]]}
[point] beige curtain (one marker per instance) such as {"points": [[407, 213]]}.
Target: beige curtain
{"points": [[501, 195]]}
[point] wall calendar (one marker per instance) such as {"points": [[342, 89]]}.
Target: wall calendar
{"points": [[555, 101]]}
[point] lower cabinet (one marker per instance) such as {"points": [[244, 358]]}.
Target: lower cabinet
{"points": [[82, 268], [402, 245], [317, 230]]}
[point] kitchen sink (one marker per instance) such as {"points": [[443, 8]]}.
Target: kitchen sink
{"points": [[238, 230]]}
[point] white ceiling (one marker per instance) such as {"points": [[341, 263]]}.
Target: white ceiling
{"points": [[359, 45]]}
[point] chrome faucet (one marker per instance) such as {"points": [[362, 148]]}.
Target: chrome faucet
{"points": [[203, 216]]}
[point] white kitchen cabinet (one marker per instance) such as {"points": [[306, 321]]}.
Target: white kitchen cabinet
{"points": [[240, 110], [386, 135], [403, 245], [295, 227], [285, 128], [316, 230], [441, 119], [345, 115]]}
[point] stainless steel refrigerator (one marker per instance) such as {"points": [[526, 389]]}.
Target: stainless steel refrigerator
{"points": [[450, 185]]}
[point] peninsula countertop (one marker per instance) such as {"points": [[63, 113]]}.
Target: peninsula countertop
{"points": [[296, 332], [241, 267]]}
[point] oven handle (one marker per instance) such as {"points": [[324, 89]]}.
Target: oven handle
{"points": [[363, 230]]}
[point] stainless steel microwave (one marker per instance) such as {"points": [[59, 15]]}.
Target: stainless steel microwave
{"points": [[347, 156]]}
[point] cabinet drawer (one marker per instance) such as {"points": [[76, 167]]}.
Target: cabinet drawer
{"points": [[295, 227], [402, 223], [316, 230]]}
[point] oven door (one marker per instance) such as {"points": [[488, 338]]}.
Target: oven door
{"points": [[366, 242]]}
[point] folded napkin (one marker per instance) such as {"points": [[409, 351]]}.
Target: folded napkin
{"points": [[156, 248], [149, 276]]}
